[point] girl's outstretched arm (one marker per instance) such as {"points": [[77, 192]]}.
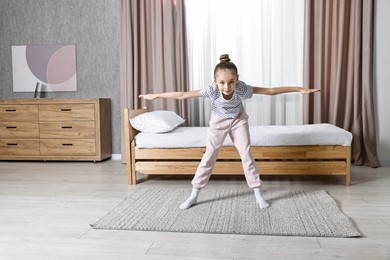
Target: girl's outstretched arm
{"points": [[282, 90], [174, 95]]}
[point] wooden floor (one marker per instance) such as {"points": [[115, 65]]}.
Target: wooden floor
{"points": [[46, 210]]}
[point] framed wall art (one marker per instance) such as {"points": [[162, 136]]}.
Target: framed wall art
{"points": [[49, 67]]}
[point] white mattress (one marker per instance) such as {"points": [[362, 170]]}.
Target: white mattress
{"points": [[313, 134]]}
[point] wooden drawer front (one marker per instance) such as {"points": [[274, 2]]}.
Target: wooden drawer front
{"points": [[64, 112], [18, 113], [19, 147], [70, 129], [19, 130], [68, 147]]}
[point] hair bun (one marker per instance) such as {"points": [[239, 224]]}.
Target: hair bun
{"points": [[224, 58]]}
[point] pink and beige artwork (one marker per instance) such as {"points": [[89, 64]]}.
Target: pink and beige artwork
{"points": [[52, 66]]}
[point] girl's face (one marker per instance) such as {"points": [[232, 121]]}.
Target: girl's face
{"points": [[226, 80]]}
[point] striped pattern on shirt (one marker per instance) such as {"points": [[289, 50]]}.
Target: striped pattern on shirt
{"points": [[228, 108]]}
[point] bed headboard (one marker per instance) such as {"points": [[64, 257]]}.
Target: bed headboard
{"points": [[130, 133], [130, 113]]}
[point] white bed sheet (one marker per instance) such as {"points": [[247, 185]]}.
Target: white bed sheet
{"points": [[313, 134]]}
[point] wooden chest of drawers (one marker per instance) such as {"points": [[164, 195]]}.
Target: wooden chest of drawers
{"points": [[55, 129]]}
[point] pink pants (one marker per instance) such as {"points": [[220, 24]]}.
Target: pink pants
{"points": [[238, 130]]}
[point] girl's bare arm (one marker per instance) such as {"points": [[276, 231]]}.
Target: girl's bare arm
{"points": [[174, 95], [282, 90]]}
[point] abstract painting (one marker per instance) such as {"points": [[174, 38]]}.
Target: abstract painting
{"points": [[50, 66]]}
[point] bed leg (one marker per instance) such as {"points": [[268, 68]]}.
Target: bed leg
{"points": [[348, 161], [348, 180], [129, 175], [128, 141], [132, 163], [129, 165], [129, 170]]}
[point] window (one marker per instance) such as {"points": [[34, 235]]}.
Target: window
{"points": [[264, 38]]}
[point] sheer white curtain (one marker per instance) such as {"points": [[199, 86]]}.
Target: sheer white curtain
{"points": [[264, 38]]}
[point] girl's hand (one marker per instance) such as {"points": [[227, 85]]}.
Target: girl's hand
{"points": [[308, 90], [148, 96]]}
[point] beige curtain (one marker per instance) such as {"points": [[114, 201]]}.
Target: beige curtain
{"points": [[152, 53], [339, 61]]}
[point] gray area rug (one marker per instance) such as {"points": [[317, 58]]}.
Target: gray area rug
{"points": [[230, 211]]}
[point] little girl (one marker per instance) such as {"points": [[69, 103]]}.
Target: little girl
{"points": [[228, 117]]}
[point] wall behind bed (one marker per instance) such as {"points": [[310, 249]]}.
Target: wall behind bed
{"points": [[92, 25]]}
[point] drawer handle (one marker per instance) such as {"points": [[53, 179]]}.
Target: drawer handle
{"points": [[67, 144], [12, 144], [66, 109], [10, 110], [11, 127], [65, 126]]}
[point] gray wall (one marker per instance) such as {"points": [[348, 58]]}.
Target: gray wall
{"points": [[92, 25]]}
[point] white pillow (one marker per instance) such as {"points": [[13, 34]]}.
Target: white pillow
{"points": [[159, 121]]}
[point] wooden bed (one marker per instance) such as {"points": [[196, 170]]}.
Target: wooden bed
{"points": [[271, 160]]}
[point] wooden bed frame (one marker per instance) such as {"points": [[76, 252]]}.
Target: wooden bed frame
{"points": [[271, 160]]}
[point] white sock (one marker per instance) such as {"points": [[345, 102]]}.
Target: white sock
{"points": [[259, 199], [193, 199]]}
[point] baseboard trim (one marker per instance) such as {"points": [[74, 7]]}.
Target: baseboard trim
{"points": [[385, 162], [116, 157]]}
